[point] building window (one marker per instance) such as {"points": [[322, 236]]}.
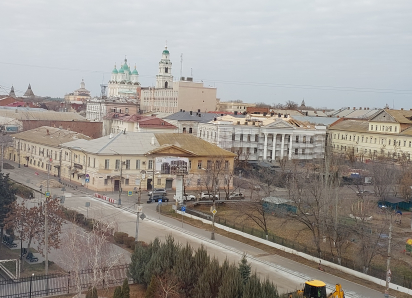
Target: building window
{"points": [[311, 140], [297, 139], [396, 128], [304, 139], [126, 181], [150, 165], [138, 164], [226, 164], [117, 165], [106, 164], [256, 138], [198, 182], [199, 164], [209, 164], [127, 164], [105, 181], [296, 151], [410, 143], [255, 150], [190, 130], [94, 162], [303, 150], [159, 181], [88, 163]]}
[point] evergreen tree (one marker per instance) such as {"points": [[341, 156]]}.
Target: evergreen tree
{"points": [[244, 269], [252, 288], [184, 269], [140, 258], [7, 198], [232, 284], [117, 292], [269, 290], [163, 260], [152, 288], [209, 282], [125, 289]]}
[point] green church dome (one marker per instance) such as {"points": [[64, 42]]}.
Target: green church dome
{"points": [[121, 70], [115, 70], [135, 71]]}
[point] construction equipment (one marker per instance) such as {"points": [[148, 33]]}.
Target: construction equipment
{"points": [[317, 289]]}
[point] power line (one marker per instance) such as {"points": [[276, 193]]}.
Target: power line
{"points": [[242, 83]]}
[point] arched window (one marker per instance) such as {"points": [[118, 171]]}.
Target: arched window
{"points": [[190, 130], [166, 83], [166, 69]]}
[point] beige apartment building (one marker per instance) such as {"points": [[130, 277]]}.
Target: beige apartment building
{"points": [[127, 160], [40, 148], [386, 133], [233, 106]]}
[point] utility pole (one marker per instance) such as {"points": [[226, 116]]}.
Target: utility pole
{"points": [[139, 207], [388, 260], [119, 202], [46, 229], [18, 151]]}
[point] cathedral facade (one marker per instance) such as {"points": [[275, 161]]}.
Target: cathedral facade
{"points": [[124, 82]]}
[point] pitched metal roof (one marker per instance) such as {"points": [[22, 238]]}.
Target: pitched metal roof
{"points": [[197, 117], [351, 125], [140, 143], [50, 136], [24, 113]]}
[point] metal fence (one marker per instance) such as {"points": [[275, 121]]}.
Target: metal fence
{"points": [[396, 277], [65, 283]]}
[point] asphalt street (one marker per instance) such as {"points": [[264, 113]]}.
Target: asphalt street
{"points": [[288, 275]]}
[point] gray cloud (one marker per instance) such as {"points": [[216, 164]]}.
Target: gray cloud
{"points": [[283, 44]]}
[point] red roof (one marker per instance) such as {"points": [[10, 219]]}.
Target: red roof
{"points": [[144, 121]]}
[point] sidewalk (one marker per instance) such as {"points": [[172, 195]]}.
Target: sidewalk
{"points": [[34, 178]]}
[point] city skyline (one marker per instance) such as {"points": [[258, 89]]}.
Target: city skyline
{"points": [[330, 54]]}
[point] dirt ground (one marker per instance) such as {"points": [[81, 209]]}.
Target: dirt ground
{"points": [[136, 291], [225, 211]]}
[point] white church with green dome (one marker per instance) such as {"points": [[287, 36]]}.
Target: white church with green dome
{"points": [[123, 82]]}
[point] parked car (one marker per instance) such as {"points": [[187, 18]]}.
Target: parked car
{"points": [[365, 192], [158, 191], [187, 197], [156, 198], [236, 196], [207, 196]]}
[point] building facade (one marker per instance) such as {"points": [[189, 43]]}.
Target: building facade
{"points": [[169, 97], [127, 160], [387, 133], [40, 148], [79, 95], [265, 138], [124, 82]]}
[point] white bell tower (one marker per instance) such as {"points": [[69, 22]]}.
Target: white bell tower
{"points": [[164, 79]]}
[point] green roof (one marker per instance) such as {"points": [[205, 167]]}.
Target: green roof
{"points": [[115, 70], [121, 70], [135, 72], [166, 52]]}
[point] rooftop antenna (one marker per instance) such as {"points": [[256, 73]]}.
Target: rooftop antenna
{"points": [[181, 64]]}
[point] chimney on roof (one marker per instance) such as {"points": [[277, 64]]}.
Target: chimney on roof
{"points": [[124, 131], [200, 115], [271, 114], [235, 112], [214, 119], [181, 110], [153, 141], [184, 111], [348, 108], [401, 109], [190, 112], [48, 132], [354, 108], [279, 115], [198, 110], [221, 114], [264, 114]]}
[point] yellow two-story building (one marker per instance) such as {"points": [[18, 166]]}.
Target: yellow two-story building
{"points": [[387, 133], [128, 160]]}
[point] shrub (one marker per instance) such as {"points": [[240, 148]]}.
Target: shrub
{"points": [[128, 241], [79, 218], [119, 236]]}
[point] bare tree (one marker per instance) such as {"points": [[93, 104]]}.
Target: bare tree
{"points": [[384, 175], [29, 223], [91, 250]]}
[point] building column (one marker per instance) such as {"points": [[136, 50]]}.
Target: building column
{"points": [[274, 147], [282, 146], [290, 146], [265, 147]]}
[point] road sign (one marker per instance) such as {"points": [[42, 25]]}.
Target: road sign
{"points": [[87, 180], [142, 216], [87, 175], [183, 209], [139, 208], [214, 211], [160, 201], [47, 194], [87, 204], [130, 193]]}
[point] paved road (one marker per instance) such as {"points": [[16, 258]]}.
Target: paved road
{"points": [[287, 274]]}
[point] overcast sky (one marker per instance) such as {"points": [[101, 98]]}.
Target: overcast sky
{"points": [[331, 53]]}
